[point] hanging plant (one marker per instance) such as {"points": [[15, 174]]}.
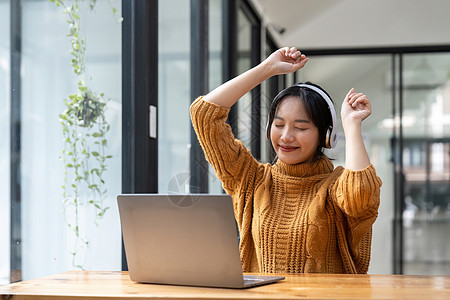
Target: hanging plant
{"points": [[84, 128]]}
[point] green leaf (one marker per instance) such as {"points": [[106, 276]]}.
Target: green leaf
{"points": [[102, 213]]}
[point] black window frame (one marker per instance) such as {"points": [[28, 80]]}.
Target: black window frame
{"points": [[255, 58], [15, 142], [199, 56], [139, 92]]}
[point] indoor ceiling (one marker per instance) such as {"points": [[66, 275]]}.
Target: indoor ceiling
{"points": [[312, 24]]}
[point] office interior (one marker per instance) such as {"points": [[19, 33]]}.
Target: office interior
{"points": [[152, 64]]}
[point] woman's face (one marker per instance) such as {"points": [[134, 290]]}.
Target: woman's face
{"points": [[294, 136]]}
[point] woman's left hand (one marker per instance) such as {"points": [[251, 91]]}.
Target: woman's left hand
{"points": [[355, 108]]}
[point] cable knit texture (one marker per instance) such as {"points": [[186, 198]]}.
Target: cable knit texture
{"points": [[303, 218]]}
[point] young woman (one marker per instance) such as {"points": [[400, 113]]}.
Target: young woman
{"points": [[300, 214]]}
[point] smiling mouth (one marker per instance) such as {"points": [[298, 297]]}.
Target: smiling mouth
{"points": [[287, 148]]}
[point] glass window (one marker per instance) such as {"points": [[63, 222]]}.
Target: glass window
{"points": [[337, 75], [5, 143], [215, 43], [47, 79], [174, 96], [426, 163]]}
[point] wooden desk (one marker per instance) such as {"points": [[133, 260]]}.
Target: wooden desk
{"points": [[109, 285]]}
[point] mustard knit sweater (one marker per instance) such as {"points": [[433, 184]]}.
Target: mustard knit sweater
{"points": [[303, 218]]}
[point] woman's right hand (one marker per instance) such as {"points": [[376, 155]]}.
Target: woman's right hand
{"points": [[285, 60]]}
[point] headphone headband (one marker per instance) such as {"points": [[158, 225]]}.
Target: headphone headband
{"points": [[331, 140]]}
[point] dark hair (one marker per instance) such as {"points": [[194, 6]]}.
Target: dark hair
{"points": [[316, 108]]}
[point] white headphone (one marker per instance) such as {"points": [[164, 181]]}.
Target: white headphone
{"points": [[331, 134]]}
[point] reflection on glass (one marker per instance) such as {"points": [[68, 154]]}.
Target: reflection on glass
{"points": [[426, 164], [270, 89], [244, 64]]}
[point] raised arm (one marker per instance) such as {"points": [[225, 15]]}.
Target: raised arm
{"points": [[283, 61], [355, 108]]}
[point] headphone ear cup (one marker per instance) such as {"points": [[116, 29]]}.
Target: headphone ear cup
{"points": [[328, 138], [331, 134]]}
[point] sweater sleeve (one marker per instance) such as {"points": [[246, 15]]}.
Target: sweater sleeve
{"points": [[357, 193], [357, 196], [231, 160]]}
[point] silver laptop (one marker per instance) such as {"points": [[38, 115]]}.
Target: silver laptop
{"points": [[183, 240]]}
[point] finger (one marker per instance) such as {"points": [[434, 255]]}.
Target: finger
{"points": [[357, 100], [347, 97], [298, 64], [355, 96], [364, 106], [293, 51], [302, 62], [285, 51], [302, 59], [352, 90], [361, 101], [297, 55]]}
